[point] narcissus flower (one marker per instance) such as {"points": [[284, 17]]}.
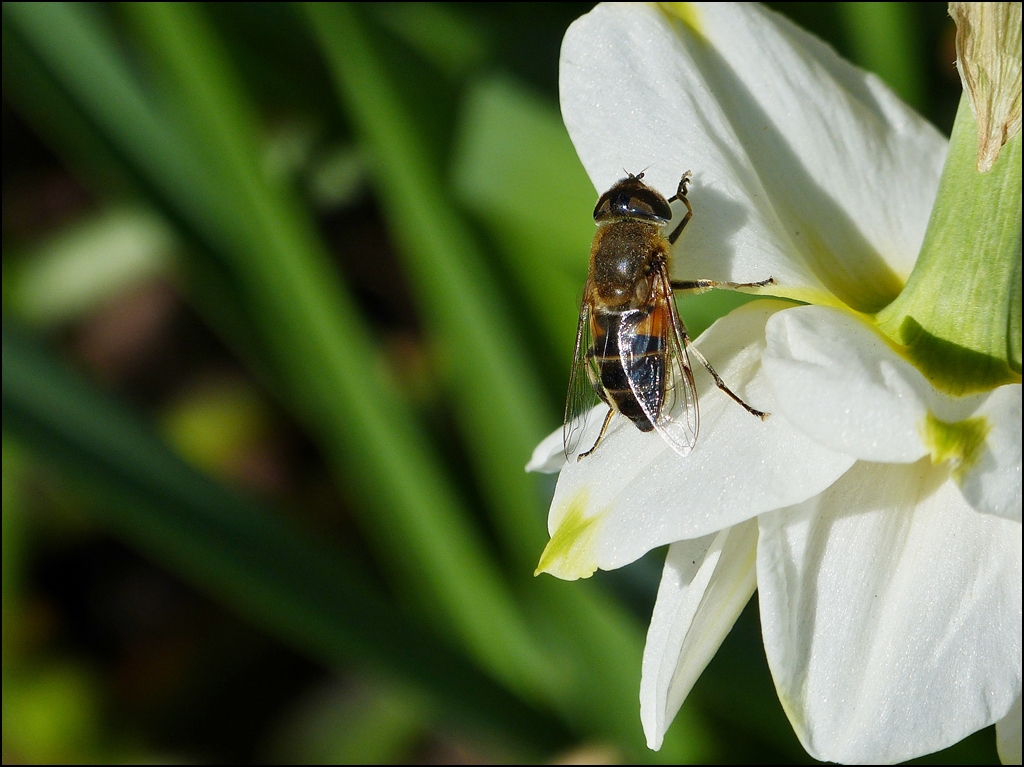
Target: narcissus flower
{"points": [[878, 509]]}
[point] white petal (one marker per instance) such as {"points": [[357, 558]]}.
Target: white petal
{"points": [[891, 614], [1008, 735], [805, 167], [992, 482], [549, 456], [635, 493], [834, 377], [837, 379], [704, 587]]}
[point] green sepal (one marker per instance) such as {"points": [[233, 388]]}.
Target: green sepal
{"points": [[955, 320]]}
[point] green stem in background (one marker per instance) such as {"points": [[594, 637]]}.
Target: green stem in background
{"points": [[13, 542], [957, 314], [256, 562], [38, 98], [515, 169], [210, 177], [883, 39], [497, 395]]}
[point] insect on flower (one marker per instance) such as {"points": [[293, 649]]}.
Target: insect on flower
{"points": [[631, 344]]}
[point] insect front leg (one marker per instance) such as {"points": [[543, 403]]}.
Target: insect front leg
{"points": [[681, 195], [681, 189]]}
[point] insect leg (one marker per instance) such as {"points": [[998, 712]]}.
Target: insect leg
{"points": [[681, 189], [721, 384], [702, 285], [604, 428], [681, 195]]}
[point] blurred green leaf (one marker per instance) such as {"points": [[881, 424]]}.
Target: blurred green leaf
{"points": [[885, 39], [83, 267], [515, 167], [211, 424], [13, 542], [42, 101], [338, 178], [362, 724], [203, 161], [437, 31], [293, 585], [63, 74], [494, 384], [51, 714]]}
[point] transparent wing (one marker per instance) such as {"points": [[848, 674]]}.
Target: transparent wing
{"points": [[652, 347], [680, 415], [582, 396]]}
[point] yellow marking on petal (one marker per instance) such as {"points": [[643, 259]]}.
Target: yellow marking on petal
{"points": [[688, 13], [959, 442], [569, 554]]}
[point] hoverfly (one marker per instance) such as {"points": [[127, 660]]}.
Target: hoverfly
{"points": [[631, 344]]}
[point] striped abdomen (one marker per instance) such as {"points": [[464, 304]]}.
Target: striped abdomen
{"points": [[628, 361]]}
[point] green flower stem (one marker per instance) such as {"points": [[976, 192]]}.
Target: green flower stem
{"points": [[958, 318]]}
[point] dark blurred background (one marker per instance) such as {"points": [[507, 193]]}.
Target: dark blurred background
{"points": [[289, 295]]}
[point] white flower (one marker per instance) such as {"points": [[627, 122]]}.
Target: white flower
{"points": [[879, 517]]}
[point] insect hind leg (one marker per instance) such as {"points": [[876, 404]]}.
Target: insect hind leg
{"points": [[703, 285], [721, 385], [604, 428]]}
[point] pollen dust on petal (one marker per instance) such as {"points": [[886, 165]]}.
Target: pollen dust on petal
{"points": [[569, 554]]}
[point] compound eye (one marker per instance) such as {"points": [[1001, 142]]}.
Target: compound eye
{"points": [[631, 199], [603, 209], [646, 203]]}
